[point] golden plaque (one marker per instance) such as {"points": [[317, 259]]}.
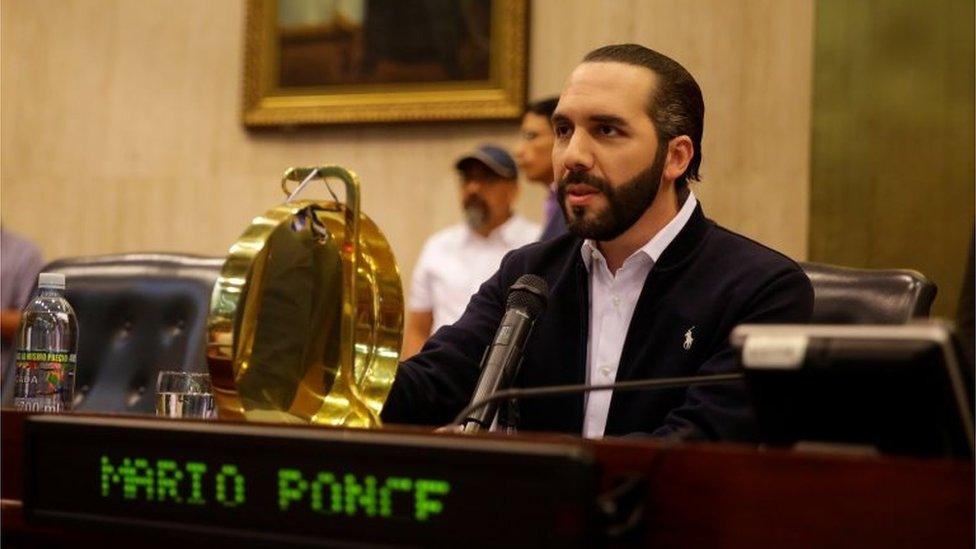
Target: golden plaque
{"points": [[306, 318]]}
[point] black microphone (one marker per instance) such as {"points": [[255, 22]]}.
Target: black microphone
{"points": [[557, 390], [526, 301]]}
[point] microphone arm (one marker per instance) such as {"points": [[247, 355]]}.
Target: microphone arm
{"points": [[634, 385]]}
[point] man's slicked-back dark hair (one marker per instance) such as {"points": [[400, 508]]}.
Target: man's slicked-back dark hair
{"points": [[676, 106], [542, 107]]}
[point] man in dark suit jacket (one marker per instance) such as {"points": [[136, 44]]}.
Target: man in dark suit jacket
{"points": [[643, 286]]}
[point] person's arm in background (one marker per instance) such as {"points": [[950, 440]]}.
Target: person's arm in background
{"points": [[433, 386], [23, 262], [420, 306], [416, 332]]}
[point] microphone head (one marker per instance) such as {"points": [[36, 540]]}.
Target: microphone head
{"points": [[530, 293]]}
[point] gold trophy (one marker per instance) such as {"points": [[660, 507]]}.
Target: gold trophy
{"points": [[306, 318]]}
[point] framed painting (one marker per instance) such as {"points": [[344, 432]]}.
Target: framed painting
{"points": [[354, 61]]}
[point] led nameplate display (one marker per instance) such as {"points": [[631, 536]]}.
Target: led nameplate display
{"points": [[196, 483], [312, 485]]}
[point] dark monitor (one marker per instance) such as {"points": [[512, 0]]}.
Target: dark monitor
{"points": [[893, 389]]}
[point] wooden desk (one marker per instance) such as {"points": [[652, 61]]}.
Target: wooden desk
{"points": [[710, 496]]}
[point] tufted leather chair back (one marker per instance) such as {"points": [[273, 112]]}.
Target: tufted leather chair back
{"points": [[137, 314], [868, 296]]}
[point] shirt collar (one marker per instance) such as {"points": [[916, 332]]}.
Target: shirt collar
{"points": [[658, 243]]}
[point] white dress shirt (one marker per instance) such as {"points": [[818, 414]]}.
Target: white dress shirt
{"points": [[456, 261], [612, 302]]}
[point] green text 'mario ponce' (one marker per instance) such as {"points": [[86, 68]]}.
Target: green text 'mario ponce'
{"points": [[196, 483]]}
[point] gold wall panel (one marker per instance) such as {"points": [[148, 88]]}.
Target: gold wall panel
{"points": [[893, 146]]}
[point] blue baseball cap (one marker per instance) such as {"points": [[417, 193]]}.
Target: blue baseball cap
{"points": [[495, 158]]}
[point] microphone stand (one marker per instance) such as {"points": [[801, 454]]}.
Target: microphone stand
{"points": [[634, 385]]}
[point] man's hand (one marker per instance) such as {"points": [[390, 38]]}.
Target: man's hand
{"points": [[416, 333], [9, 321]]}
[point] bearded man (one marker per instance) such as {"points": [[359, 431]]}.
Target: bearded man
{"points": [[644, 285]]}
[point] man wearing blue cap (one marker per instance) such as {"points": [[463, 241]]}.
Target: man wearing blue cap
{"points": [[456, 261]]}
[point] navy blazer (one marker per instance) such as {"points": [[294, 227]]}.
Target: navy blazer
{"points": [[708, 280]]}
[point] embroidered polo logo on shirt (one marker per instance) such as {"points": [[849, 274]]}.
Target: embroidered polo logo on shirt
{"points": [[689, 340]]}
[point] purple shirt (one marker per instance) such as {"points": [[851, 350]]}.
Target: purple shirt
{"points": [[20, 263], [555, 222]]}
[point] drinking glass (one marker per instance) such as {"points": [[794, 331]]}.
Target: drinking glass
{"points": [[184, 394]]}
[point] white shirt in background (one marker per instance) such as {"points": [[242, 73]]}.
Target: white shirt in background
{"points": [[612, 302], [456, 261]]}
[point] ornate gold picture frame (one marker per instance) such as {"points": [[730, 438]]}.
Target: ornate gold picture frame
{"points": [[353, 61]]}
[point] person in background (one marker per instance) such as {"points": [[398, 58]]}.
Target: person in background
{"points": [[534, 156], [20, 263], [456, 261]]}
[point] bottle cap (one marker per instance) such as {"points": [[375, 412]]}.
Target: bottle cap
{"points": [[51, 280]]}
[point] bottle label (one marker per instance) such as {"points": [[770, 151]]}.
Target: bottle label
{"points": [[46, 378]]}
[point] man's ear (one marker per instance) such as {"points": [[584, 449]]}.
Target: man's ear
{"points": [[680, 152]]}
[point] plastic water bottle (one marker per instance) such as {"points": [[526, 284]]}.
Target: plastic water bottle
{"points": [[47, 346]]}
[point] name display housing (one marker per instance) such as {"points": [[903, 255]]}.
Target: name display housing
{"points": [[307, 485]]}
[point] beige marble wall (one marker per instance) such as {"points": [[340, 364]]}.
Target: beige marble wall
{"points": [[120, 130]]}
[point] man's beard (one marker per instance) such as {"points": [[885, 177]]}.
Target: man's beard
{"points": [[475, 212], [625, 204]]}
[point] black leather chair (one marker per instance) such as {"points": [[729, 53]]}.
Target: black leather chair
{"points": [[868, 296], [137, 314]]}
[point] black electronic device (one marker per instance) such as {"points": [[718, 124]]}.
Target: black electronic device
{"points": [[309, 486], [894, 389]]}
